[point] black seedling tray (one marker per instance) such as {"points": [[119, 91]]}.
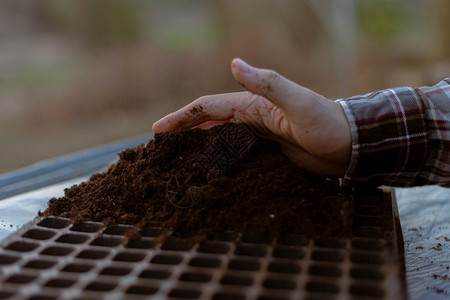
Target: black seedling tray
{"points": [[51, 258]]}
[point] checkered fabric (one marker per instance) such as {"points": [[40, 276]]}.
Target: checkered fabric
{"points": [[400, 136]]}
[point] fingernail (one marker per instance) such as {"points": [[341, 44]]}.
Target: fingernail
{"points": [[242, 66], [158, 126], [155, 127]]}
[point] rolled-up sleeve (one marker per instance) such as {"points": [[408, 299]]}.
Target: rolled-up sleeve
{"points": [[400, 136]]}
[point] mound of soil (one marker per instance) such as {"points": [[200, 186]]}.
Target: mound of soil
{"points": [[206, 182]]}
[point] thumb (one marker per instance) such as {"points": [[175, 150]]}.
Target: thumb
{"points": [[280, 91]]}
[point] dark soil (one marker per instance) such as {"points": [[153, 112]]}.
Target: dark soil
{"points": [[206, 182]]}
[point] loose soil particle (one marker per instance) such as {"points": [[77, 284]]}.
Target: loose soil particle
{"points": [[205, 182]]}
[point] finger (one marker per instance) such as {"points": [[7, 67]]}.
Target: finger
{"points": [[195, 113], [234, 106], [210, 124], [269, 84]]}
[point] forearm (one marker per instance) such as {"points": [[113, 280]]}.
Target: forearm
{"points": [[400, 136]]}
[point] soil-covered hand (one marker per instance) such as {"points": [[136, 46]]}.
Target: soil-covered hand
{"points": [[313, 131]]}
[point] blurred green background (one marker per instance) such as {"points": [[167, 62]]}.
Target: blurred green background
{"points": [[76, 74]]}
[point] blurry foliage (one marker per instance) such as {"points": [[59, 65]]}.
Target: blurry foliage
{"points": [[182, 38], [186, 25], [100, 23], [111, 21], [178, 25], [380, 18], [443, 18], [39, 75], [59, 15]]}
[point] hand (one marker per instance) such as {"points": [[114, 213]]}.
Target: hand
{"points": [[313, 131]]}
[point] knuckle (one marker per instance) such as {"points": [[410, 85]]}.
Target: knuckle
{"points": [[202, 99], [269, 80], [272, 76]]}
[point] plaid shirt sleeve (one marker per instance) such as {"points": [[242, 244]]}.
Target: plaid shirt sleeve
{"points": [[400, 136]]}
